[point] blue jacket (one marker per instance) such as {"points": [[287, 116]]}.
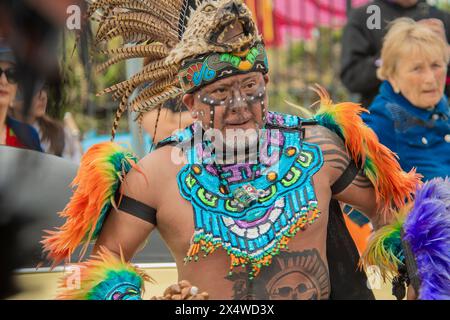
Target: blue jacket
{"points": [[26, 134], [421, 138]]}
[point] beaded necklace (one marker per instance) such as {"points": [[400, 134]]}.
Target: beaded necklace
{"points": [[253, 221]]}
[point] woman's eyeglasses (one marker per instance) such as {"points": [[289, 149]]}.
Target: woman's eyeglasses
{"points": [[11, 75]]}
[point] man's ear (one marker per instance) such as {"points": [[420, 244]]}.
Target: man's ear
{"points": [[188, 100], [266, 78]]}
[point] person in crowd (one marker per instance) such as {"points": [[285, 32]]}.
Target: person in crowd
{"points": [[411, 114], [55, 138], [362, 40], [12, 132]]}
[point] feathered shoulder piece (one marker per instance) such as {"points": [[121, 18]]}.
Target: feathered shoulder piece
{"points": [[98, 179], [104, 277], [392, 185], [418, 242], [165, 33]]}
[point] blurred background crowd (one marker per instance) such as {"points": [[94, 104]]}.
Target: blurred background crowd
{"points": [[398, 71]]}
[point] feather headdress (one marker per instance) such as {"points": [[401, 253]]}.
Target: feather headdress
{"points": [[165, 33]]}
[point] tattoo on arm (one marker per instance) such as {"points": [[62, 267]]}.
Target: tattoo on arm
{"points": [[291, 276], [333, 148], [335, 154], [361, 181]]}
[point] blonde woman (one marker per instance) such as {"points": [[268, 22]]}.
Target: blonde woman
{"points": [[411, 114]]}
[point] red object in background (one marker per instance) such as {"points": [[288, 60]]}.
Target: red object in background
{"points": [[11, 139], [280, 20]]}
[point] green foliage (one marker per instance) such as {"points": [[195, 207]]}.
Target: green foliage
{"points": [[301, 64], [443, 5], [80, 83]]}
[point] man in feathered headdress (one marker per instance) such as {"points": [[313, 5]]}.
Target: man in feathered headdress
{"points": [[252, 220]]}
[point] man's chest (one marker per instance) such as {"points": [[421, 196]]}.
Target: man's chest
{"points": [[297, 271], [179, 220], [250, 210]]}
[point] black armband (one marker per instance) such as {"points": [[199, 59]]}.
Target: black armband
{"points": [[137, 209], [346, 178]]}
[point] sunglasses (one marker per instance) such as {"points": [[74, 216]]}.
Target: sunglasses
{"points": [[11, 75]]}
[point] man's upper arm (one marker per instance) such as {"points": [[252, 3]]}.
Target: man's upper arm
{"points": [[360, 194], [358, 191], [336, 159], [126, 232]]}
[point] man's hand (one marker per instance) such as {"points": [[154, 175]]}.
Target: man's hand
{"points": [[183, 290]]}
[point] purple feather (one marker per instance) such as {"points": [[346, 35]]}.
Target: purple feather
{"points": [[427, 229]]}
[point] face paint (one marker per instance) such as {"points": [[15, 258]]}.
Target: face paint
{"points": [[229, 98], [234, 97]]}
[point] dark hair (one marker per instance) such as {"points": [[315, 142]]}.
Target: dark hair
{"points": [[53, 132]]}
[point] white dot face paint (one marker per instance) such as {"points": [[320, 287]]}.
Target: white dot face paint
{"points": [[229, 96]]}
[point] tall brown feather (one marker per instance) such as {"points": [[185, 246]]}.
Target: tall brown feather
{"points": [[154, 22], [157, 100], [156, 88], [148, 51]]}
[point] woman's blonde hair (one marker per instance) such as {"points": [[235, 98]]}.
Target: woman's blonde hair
{"points": [[406, 36]]}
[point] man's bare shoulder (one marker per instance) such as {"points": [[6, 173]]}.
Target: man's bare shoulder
{"points": [[335, 155], [153, 171], [161, 159], [319, 134]]}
